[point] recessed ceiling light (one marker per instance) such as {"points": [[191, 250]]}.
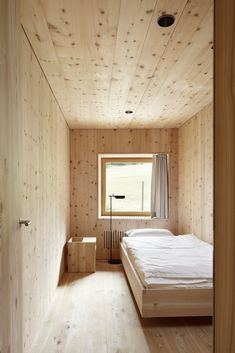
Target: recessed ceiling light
{"points": [[129, 111], [166, 20]]}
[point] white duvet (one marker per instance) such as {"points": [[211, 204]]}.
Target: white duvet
{"points": [[177, 261]]}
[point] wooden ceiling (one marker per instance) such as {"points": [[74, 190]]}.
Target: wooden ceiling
{"points": [[103, 57]]}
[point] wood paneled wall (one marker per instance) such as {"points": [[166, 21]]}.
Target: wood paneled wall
{"points": [[10, 179], [224, 324], [44, 194], [85, 145], [195, 200]]}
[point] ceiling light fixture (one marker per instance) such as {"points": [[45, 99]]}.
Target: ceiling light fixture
{"points": [[166, 20], [129, 111]]}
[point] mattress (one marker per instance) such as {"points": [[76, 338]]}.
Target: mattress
{"points": [[171, 261]]}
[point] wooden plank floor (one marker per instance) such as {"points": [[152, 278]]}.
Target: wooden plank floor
{"points": [[96, 313]]}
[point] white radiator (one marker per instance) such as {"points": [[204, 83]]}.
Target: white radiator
{"points": [[117, 236]]}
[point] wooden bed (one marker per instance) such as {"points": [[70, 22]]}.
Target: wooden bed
{"points": [[167, 302]]}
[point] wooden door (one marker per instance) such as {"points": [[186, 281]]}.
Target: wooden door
{"points": [[224, 187], [10, 179]]}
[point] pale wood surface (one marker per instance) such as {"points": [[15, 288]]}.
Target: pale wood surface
{"points": [[195, 183], [224, 336], [96, 313], [81, 254], [10, 179], [133, 278], [104, 57], [167, 303], [84, 147], [44, 193]]}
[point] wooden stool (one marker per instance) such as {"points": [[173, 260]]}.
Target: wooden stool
{"points": [[81, 254]]}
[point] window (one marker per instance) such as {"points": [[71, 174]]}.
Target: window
{"points": [[128, 176]]}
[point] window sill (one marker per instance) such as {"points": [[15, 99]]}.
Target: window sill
{"points": [[126, 217]]}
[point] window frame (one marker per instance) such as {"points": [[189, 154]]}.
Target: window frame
{"points": [[102, 184]]}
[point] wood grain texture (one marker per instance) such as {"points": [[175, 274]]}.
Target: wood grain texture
{"points": [[224, 336], [44, 194], [81, 254], [85, 145], [4, 192], [10, 180], [104, 57], [195, 195], [105, 319]]}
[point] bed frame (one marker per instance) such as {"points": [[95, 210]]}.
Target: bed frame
{"points": [[167, 302]]}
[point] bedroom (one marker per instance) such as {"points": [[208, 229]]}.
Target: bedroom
{"points": [[91, 71]]}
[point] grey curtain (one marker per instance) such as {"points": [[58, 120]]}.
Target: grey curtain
{"points": [[159, 187]]}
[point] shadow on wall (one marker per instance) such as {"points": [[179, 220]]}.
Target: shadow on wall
{"points": [[63, 263]]}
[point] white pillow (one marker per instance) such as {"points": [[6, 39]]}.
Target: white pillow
{"points": [[147, 232]]}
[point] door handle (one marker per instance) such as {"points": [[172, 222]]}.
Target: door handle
{"points": [[25, 222]]}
